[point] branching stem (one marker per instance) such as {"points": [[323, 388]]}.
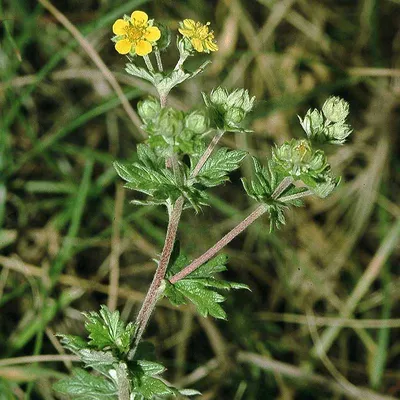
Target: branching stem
{"points": [[260, 210], [181, 60], [153, 292], [238, 229]]}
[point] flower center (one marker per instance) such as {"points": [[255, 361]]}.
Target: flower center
{"points": [[134, 33]]}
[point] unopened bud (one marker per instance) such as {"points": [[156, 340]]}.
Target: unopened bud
{"points": [[335, 109]]}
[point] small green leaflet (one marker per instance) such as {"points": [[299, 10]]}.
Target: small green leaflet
{"points": [[164, 82], [145, 381], [151, 177], [85, 386], [265, 180], [200, 286], [107, 330], [218, 166]]}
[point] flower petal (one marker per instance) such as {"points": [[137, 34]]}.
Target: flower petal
{"points": [[152, 34], [139, 17], [143, 48], [211, 45], [186, 32], [189, 24], [123, 46], [197, 44], [119, 27]]}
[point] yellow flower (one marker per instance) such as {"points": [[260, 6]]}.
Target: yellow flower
{"points": [[201, 38], [136, 34]]}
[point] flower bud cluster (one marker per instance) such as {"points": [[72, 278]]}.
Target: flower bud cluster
{"points": [[298, 160], [228, 110], [328, 126], [168, 127]]}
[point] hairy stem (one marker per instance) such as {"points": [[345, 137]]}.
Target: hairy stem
{"points": [[181, 60], [238, 229], [207, 153], [260, 210], [286, 182], [296, 196], [153, 292], [149, 65], [159, 61]]}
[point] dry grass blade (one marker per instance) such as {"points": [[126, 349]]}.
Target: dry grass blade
{"points": [[370, 274]]}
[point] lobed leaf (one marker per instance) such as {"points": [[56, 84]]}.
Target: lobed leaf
{"points": [[85, 386]]}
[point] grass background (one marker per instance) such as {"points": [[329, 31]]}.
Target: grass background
{"points": [[323, 319]]}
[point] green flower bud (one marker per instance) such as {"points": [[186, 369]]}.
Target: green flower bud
{"points": [[235, 99], [149, 109], [335, 109], [234, 116], [170, 122], [296, 158], [218, 96], [313, 123], [318, 161], [337, 133], [300, 151], [240, 98], [196, 122], [184, 46]]}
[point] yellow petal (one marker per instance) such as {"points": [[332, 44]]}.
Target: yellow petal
{"points": [[189, 24], [197, 44], [152, 34], [143, 48], [119, 27], [186, 32], [212, 46], [139, 17], [123, 46]]}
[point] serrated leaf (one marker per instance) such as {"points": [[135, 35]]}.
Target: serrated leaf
{"points": [[218, 166], [108, 330], [189, 392], [139, 72], [84, 386], [96, 359], [150, 387], [205, 300], [198, 287], [216, 264], [174, 295], [219, 284], [151, 367], [73, 343]]}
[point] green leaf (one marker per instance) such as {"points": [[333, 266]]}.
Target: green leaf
{"points": [[139, 72], [218, 166], [108, 330], [204, 299], [150, 387], [262, 186], [73, 343], [199, 286], [151, 177], [216, 264], [97, 359], [84, 386], [145, 381], [151, 367]]}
